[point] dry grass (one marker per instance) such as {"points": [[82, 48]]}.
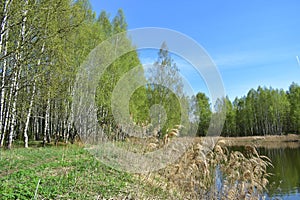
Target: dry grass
{"points": [[205, 173], [217, 174], [290, 141]]}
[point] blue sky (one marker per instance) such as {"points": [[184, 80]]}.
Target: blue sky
{"points": [[252, 42]]}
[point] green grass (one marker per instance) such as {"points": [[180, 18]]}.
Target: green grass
{"points": [[66, 172]]}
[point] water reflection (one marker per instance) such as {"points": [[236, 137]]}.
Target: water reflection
{"points": [[285, 180]]}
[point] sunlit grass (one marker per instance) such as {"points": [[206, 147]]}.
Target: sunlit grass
{"points": [[68, 172]]}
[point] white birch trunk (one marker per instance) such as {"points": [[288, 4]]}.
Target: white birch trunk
{"points": [[4, 24], [31, 103], [28, 116], [46, 128], [17, 76], [7, 119], [3, 93], [15, 85], [71, 118]]}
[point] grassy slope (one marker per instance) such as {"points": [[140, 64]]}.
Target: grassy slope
{"points": [[68, 172]]}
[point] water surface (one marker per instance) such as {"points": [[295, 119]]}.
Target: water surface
{"points": [[285, 181]]}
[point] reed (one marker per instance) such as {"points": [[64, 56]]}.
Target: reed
{"points": [[218, 174], [203, 173]]}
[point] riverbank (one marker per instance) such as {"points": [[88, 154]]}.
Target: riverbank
{"points": [[283, 141]]}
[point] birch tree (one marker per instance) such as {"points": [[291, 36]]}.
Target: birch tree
{"points": [[168, 90]]}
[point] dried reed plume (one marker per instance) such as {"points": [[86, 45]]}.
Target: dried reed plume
{"points": [[219, 174]]}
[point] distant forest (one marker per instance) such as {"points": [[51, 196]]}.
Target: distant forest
{"points": [[43, 44], [264, 111]]}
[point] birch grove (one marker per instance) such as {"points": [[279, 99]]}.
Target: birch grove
{"points": [[42, 43]]}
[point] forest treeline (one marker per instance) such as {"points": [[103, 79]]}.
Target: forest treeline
{"points": [[264, 111], [42, 45]]}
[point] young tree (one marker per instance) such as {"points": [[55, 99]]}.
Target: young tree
{"points": [[203, 111], [167, 90], [114, 72]]}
